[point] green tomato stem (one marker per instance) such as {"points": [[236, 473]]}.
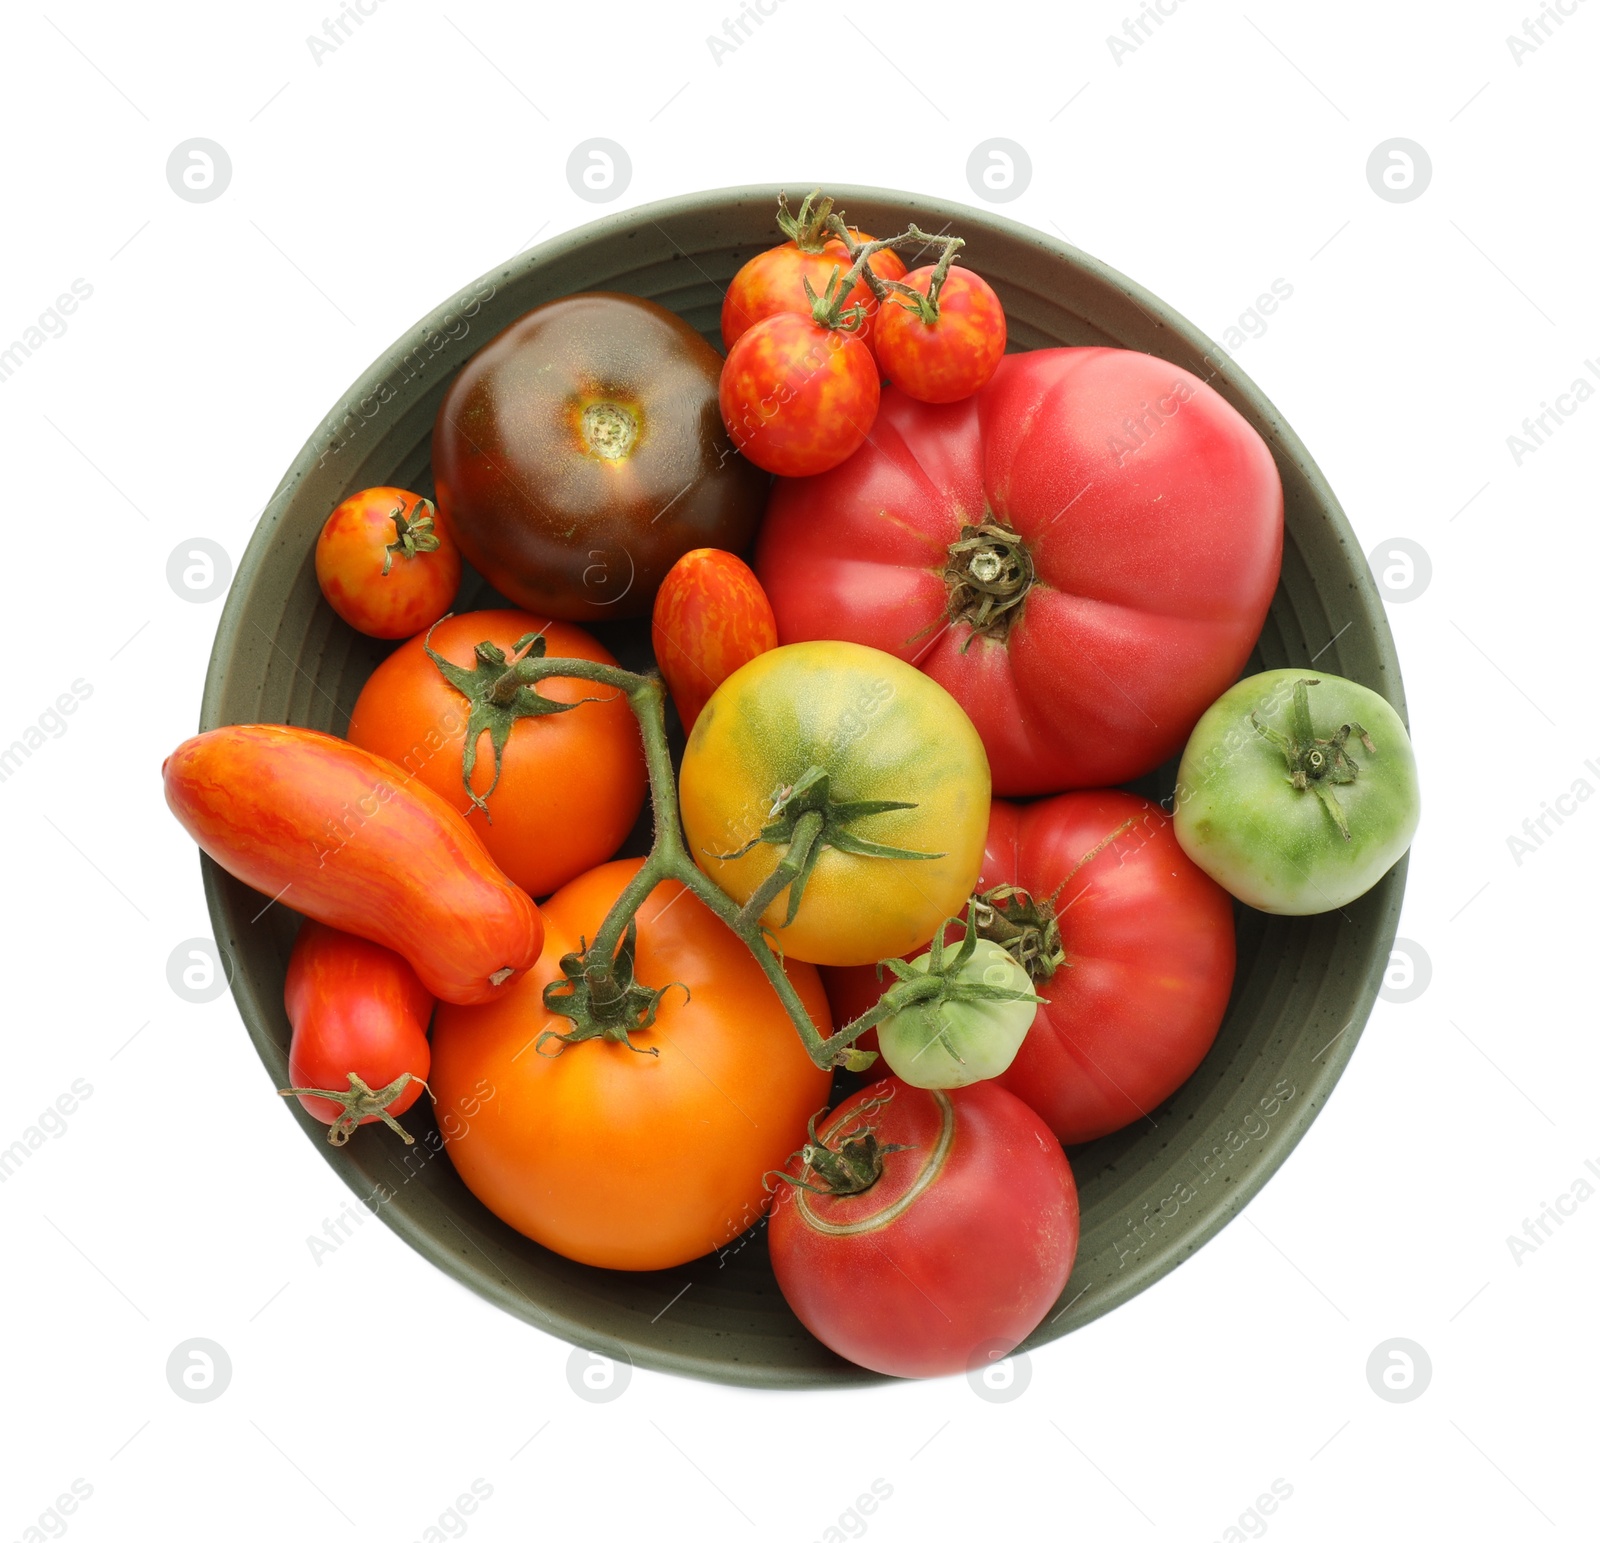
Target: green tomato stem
{"points": [[669, 859]]}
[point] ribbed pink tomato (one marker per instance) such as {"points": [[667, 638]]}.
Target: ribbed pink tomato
{"points": [[1082, 553]]}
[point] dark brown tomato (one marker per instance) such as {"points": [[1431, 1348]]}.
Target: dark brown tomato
{"points": [[581, 452]]}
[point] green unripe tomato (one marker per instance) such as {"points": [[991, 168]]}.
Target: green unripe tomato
{"points": [[950, 1044], [1283, 807]]}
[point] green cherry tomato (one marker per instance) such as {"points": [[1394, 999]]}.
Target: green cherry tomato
{"points": [[955, 1040], [1297, 791]]}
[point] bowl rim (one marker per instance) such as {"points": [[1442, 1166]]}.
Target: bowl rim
{"points": [[1232, 382]]}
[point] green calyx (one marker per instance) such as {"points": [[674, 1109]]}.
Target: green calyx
{"points": [[806, 820], [1318, 765], [828, 309], [927, 990], [853, 1164], [358, 1102], [808, 228], [925, 307], [413, 533], [603, 997], [498, 695]]}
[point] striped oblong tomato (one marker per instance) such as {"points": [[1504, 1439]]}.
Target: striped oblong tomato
{"points": [[634, 1155], [347, 838], [711, 616], [1081, 553]]}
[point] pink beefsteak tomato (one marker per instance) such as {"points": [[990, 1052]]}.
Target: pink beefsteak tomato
{"points": [[1082, 553]]}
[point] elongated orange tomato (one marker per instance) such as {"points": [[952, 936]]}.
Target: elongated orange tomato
{"points": [[711, 616], [343, 836]]}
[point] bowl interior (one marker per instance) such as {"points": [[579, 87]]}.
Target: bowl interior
{"points": [[1152, 1193]]}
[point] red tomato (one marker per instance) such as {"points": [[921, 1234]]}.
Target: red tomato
{"points": [[1082, 553], [386, 564], [352, 840], [949, 357], [948, 1259], [634, 1158], [355, 1007], [774, 281], [798, 398], [571, 784], [1147, 958], [711, 616]]}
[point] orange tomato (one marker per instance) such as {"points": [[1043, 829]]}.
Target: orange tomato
{"points": [[610, 1155], [571, 784], [386, 563], [711, 616]]}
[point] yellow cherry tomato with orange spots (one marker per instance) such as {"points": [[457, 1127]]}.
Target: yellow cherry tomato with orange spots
{"points": [[798, 397], [943, 348]]}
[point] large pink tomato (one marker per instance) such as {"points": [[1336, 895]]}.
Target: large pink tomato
{"points": [[1082, 553]]}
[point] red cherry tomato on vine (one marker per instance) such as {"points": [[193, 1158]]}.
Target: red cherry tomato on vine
{"points": [[711, 616], [939, 1257], [386, 564], [355, 1007], [774, 281], [798, 398], [951, 355]]}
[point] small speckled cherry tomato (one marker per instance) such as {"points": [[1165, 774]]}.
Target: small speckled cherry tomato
{"points": [[386, 565], [798, 397], [943, 349], [711, 616], [774, 280]]}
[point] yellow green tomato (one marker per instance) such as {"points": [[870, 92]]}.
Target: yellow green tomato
{"points": [[861, 774], [1297, 791], [956, 1040]]}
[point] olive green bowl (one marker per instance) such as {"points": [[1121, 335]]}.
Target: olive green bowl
{"points": [[1152, 1193]]}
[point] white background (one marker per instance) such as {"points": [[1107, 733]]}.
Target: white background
{"points": [[1226, 151]]}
